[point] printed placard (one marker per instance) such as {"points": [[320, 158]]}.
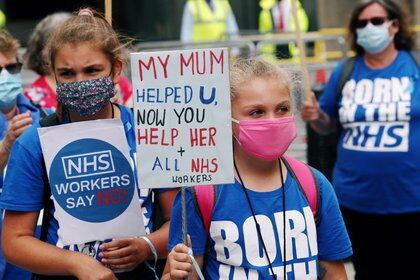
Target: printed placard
{"points": [[92, 181], [182, 116]]}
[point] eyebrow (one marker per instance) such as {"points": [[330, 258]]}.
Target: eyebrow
{"points": [[84, 67]]}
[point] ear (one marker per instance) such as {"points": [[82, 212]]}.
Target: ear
{"points": [[394, 27], [116, 71]]}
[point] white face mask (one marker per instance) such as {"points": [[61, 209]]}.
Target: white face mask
{"points": [[10, 88], [374, 39]]}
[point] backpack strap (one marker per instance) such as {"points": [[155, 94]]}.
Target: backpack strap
{"points": [[306, 181], [345, 75], [415, 54], [49, 120], [204, 198]]}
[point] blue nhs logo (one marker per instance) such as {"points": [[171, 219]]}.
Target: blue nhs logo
{"points": [[89, 164]]}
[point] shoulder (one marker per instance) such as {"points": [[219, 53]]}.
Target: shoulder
{"points": [[126, 113], [406, 57]]}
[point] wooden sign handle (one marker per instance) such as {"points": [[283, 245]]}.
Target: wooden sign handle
{"points": [[108, 11], [302, 54]]}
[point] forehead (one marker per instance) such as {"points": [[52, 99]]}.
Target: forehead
{"points": [[80, 54], [374, 10], [263, 90], [5, 59]]}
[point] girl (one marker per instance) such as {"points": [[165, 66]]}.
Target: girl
{"points": [[85, 56], [260, 226]]}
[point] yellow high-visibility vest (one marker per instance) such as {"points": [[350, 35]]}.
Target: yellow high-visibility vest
{"points": [[2, 19], [266, 24], [209, 25]]}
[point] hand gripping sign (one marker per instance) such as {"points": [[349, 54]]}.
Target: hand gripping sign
{"points": [[92, 181], [182, 116]]}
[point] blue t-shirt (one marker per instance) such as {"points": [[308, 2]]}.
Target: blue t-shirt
{"points": [[234, 250], [24, 188], [7, 270], [24, 106], [377, 168]]}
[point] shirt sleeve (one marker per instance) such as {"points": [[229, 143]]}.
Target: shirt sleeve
{"points": [[195, 225], [23, 188], [333, 240], [328, 100]]}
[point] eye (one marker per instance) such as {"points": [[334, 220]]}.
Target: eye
{"points": [[283, 109], [65, 73], [92, 70], [256, 113]]}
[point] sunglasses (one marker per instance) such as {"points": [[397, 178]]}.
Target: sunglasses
{"points": [[361, 23], [12, 68]]}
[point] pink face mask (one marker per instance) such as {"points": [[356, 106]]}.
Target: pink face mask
{"points": [[267, 139]]}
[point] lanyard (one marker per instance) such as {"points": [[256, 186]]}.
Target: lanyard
{"points": [[257, 225]]}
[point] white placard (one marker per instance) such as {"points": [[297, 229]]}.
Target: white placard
{"points": [[92, 181], [182, 116]]}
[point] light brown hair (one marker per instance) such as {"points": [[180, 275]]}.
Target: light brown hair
{"points": [[91, 28], [9, 46]]}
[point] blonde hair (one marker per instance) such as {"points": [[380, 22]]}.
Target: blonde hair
{"points": [[9, 46], [247, 69]]}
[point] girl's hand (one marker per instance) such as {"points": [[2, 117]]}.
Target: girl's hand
{"points": [[310, 109], [90, 269], [179, 262], [124, 253]]}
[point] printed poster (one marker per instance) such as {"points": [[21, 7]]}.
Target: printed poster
{"points": [[92, 181]]}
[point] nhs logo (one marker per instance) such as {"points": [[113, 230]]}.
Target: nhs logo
{"points": [[89, 164]]}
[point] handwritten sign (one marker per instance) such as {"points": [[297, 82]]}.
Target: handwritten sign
{"points": [[182, 116], [92, 181]]}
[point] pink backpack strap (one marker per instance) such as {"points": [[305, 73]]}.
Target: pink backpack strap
{"points": [[205, 198], [306, 181]]}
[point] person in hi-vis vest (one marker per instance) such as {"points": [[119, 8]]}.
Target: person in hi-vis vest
{"points": [[277, 16], [208, 20]]}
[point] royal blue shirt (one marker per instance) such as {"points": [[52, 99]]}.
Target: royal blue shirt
{"points": [[377, 168], [232, 249], [7, 270], [24, 188]]}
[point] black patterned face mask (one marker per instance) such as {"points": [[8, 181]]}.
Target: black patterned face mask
{"points": [[86, 98]]}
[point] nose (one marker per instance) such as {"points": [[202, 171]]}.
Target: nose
{"points": [[81, 77]]}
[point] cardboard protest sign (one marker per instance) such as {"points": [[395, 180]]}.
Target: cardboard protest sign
{"points": [[92, 181], [182, 116]]}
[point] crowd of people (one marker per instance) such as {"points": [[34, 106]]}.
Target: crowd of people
{"points": [[280, 219]]}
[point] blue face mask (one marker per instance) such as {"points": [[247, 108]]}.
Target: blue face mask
{"points": [[374, 39], [10, 88]]}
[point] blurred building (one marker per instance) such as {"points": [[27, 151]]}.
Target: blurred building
{"points": [[161, 19]]}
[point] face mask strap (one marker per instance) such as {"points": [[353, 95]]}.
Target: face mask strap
{"points": [[235, 120]]}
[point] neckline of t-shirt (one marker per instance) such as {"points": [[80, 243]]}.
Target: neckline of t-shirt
{"points": [[397, 57], [123, 116], [275, 192]]}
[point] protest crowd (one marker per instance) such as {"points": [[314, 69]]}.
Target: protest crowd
{"points": [[119, 162]]}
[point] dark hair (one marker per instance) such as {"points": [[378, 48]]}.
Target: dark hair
{"points": [[38, 40], [404, 39]]}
